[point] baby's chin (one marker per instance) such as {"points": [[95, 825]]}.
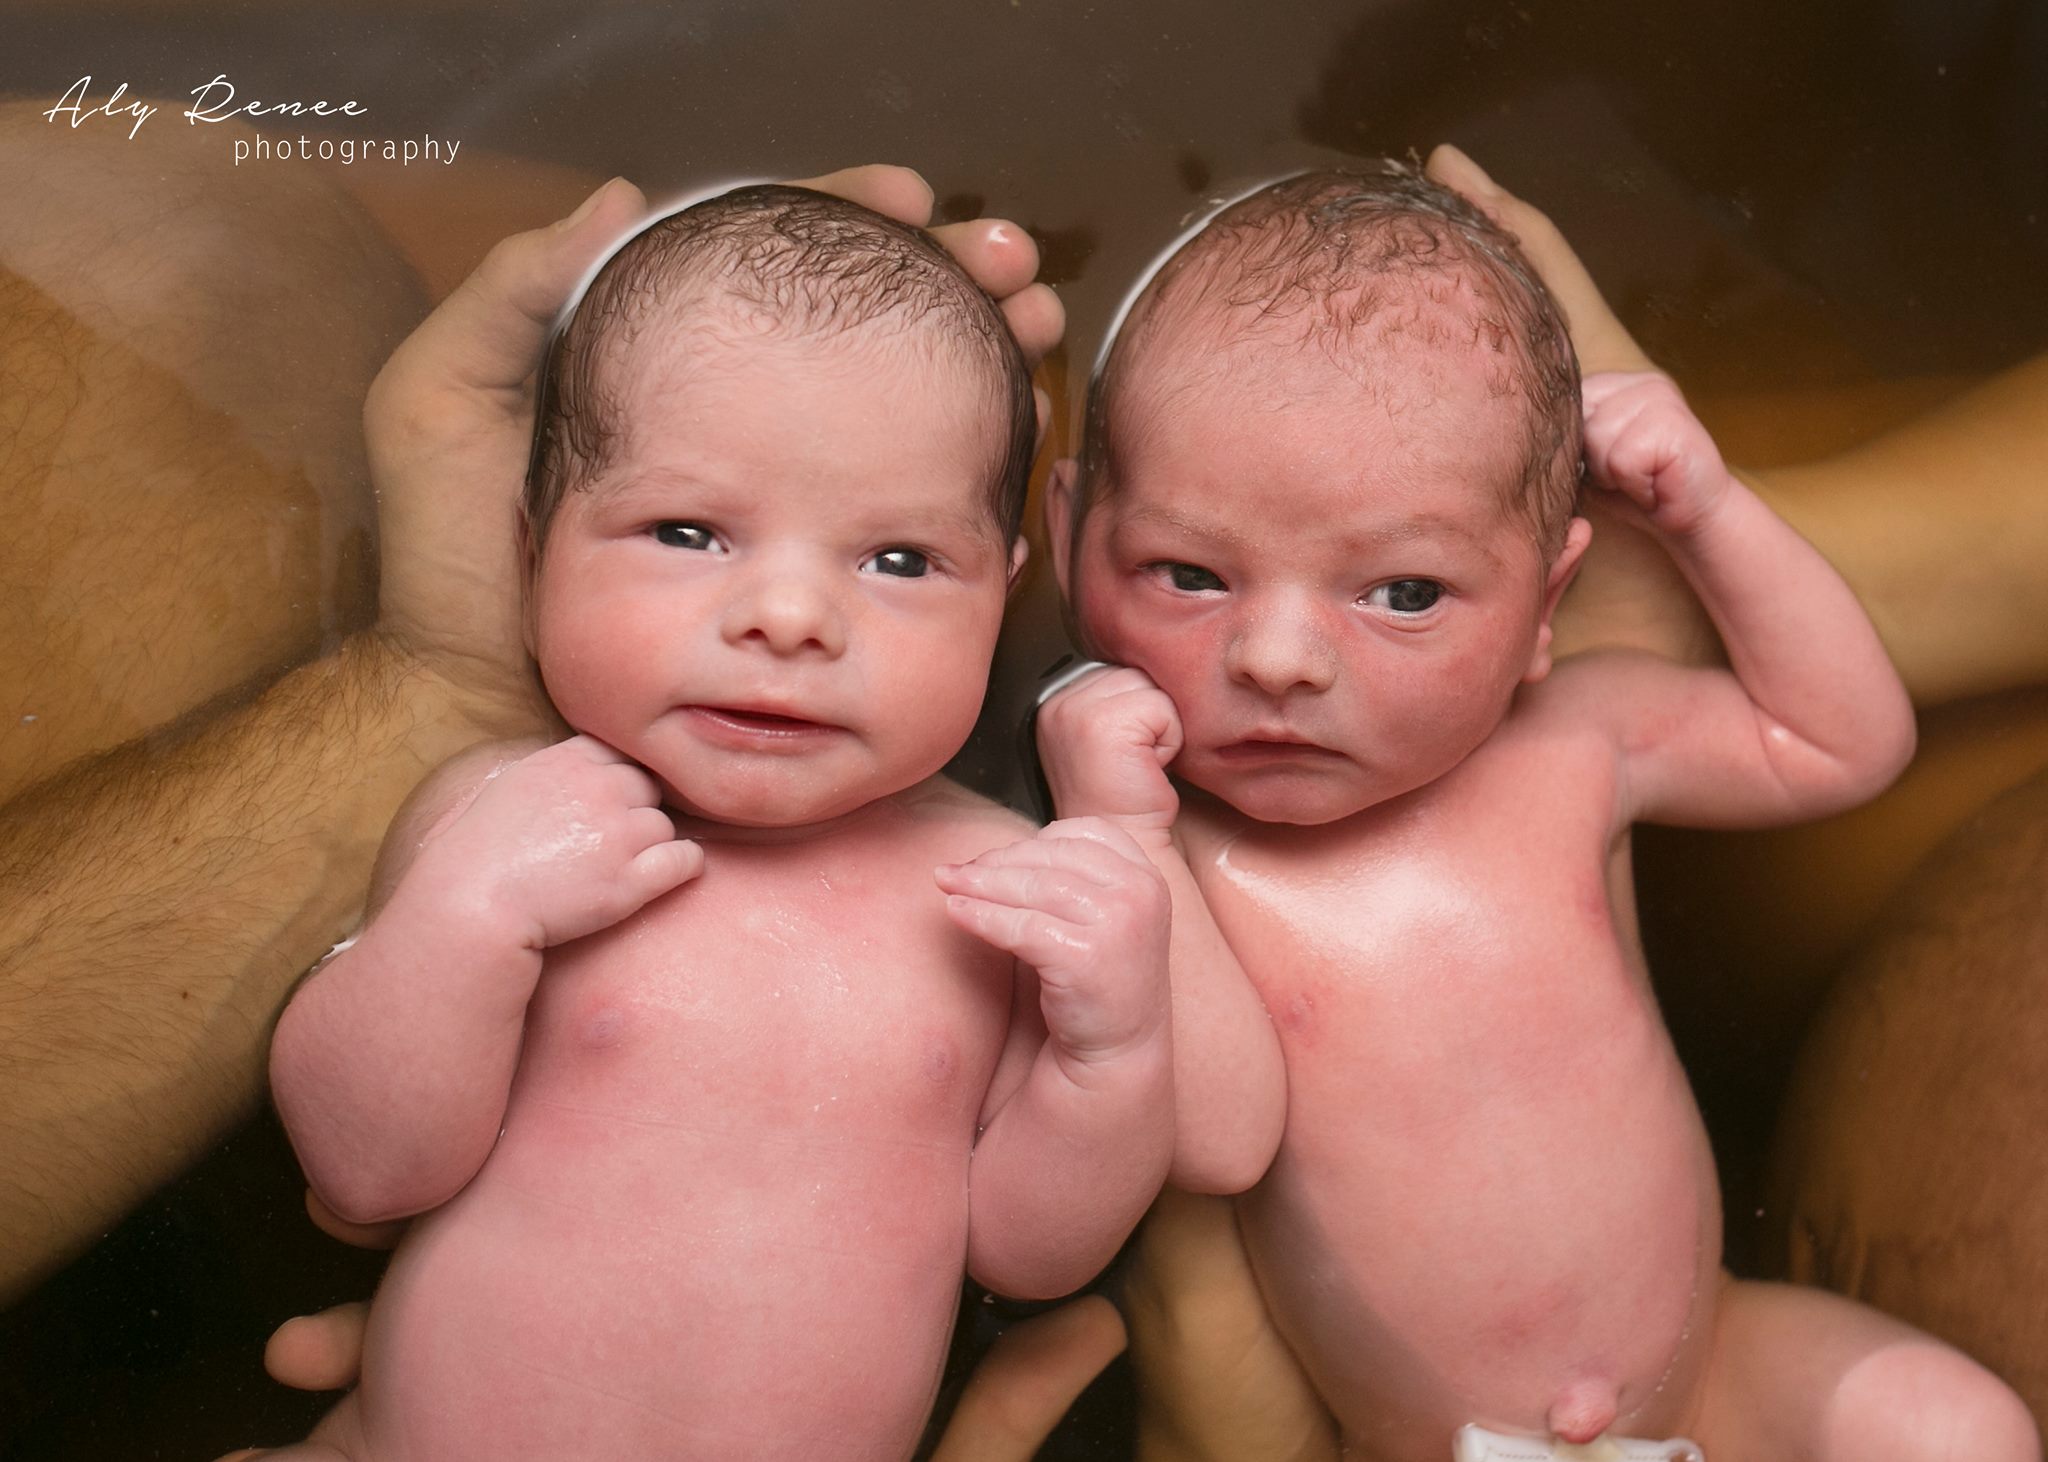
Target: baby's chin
{"points": [[766, 806], [1300, 799], [759, 807]]}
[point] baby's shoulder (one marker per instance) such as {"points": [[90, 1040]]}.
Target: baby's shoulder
{"points": [[960, 823]]}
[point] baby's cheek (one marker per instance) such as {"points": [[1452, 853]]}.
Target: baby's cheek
{"points": [[1181, 657]]}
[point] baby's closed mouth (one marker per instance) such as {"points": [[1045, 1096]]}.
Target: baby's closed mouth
{"points": [[1270, 744], [759, 722]]}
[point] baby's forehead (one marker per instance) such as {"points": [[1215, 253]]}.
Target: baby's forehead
{"points": [[1395, 346]]}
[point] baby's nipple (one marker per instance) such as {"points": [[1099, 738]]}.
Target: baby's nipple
{"points": [[1583, 1411]]}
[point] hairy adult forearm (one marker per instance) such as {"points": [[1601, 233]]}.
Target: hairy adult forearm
{"points": [[156, 905]]}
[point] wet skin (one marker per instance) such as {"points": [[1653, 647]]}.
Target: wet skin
{"points": [[1494, 1200], [1392, 945], [736, 1155], [729, 1208]]}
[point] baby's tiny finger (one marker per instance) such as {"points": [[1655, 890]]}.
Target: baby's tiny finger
{"points": [[649, 826], [1026, 933], [662, 867], [1068, 854], [1047, 889], [1094, 832]]}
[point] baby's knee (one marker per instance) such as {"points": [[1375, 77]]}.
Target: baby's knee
{"points": [[1921, 1401]]}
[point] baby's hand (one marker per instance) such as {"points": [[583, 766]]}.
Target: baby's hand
{"points": [[1080, 904], [1643, 441], [564, 843], [1104, 743]]}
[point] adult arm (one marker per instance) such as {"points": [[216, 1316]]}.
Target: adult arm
{"points": [[156, 904]]}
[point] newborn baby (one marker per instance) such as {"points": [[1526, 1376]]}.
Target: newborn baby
{"points": [[1324, 513], [710, 1126]]}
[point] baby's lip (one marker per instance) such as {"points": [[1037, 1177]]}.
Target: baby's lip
{"points": [[763, 719], [1272, 741]]}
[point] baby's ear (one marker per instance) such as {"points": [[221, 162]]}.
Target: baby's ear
{"points": [[1019, 552], [1563, 569], [1060, 487]]}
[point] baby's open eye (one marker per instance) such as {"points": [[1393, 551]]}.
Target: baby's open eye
{"points": [[899, 563], [686, 535], [1405, 596], [1189, 578]]}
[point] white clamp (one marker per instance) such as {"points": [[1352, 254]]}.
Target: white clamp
{"points": [[1476, 1444]]}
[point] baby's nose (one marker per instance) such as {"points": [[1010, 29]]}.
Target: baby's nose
{"points": [[788, 611], [1281, 648]]}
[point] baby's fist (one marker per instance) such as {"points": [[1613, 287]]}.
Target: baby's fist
{"points": [[1080, 904], [1643, 441], [566, 842], [1104, 742]]}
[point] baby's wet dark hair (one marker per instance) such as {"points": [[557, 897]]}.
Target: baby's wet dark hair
{"points": [[1327, 260], [793, 261]]}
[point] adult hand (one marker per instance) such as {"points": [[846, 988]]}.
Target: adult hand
{"points": [[1598, 336], [1628, 592], [449, 425]]}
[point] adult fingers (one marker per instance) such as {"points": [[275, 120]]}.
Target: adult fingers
{"points": [[1001, 257], [898, 192], [488, 334], [362, 1235], [320, 1352], [1599, 337], [1028, 1380], [1037, 318]]}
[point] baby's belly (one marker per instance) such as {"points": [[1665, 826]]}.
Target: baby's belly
{"points": [[1477, 1222], [631, 1287]]}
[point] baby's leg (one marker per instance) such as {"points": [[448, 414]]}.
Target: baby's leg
{"points": [[1802, 1376]]}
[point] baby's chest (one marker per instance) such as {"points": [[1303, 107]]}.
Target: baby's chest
{"points": [[1493, 902], [788, 994]]}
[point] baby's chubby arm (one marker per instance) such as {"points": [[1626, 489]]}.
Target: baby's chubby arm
{"points": [[392, 1063], [1105, 742], [1071, 1155], [1810, 718]]}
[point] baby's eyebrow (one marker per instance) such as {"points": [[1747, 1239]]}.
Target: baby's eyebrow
{"points": [[1193, 528], [1402, 530]]}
